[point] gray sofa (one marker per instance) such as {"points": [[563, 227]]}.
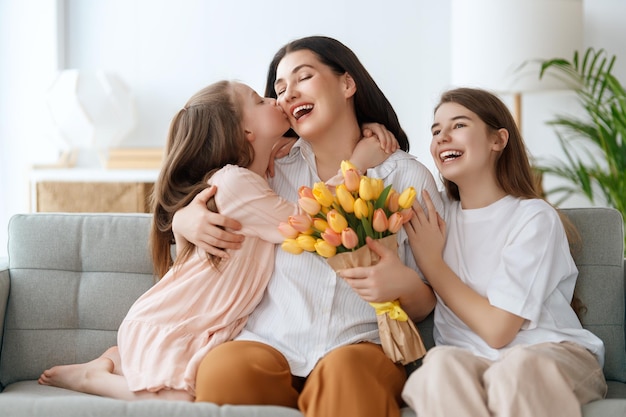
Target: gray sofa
{"points": [[71, 278]]}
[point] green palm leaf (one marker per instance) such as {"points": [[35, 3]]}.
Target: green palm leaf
{"points": [[595, 146]]}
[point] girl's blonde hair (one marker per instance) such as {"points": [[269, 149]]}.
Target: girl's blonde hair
{"points": [[204, 136]]}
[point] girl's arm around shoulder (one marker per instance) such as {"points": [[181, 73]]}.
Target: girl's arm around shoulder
{"points": [[246, 197]]}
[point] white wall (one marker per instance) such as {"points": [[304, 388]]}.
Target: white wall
{"points": [[168, 49]]}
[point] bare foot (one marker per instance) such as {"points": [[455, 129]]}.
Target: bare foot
{"points": [[76, 376]]}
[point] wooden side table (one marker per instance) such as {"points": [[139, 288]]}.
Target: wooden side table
{"points": [[92, 190]]}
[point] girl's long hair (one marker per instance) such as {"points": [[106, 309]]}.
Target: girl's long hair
{"points": [[370, 104], [513, 169], [204, 136]]}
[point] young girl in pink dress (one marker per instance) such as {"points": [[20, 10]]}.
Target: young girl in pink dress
{"points": [[225, 136]]}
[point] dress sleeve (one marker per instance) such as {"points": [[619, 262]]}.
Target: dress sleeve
{"points": [[535, 260], [246, 197]]}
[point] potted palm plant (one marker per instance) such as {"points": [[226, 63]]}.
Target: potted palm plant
{"points": [[594, 145]]}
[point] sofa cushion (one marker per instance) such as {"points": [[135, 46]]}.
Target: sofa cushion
{"points": [[65, 302], [600, 262]]}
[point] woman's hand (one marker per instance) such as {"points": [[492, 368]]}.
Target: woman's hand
{"points": [[426, 232], [209, 231], [390, 280]]}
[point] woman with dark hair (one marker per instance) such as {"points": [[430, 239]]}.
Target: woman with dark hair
{"points": [[370, 104], [313, 343]]}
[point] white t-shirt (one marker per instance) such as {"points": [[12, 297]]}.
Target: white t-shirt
{"points": [[307, 310], [515, 253]]}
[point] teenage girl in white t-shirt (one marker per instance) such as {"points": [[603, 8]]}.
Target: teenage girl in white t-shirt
{"points": [[508, 341]]}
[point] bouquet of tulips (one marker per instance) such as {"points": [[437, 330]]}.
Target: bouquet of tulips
{"points": [[336, 225]]}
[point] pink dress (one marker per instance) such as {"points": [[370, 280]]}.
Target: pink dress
{"points": [[195, 307]]}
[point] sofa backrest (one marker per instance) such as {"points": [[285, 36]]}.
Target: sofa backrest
{"points": [[73, 277], [600, 285]]}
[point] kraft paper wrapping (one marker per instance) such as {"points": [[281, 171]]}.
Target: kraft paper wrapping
{"points": [[399, 337]]}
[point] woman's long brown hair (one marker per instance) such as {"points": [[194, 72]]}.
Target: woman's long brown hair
{"points": [[204, 136], [513, 170]]}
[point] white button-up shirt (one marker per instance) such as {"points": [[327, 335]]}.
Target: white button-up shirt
{"points": [[307, 310]]}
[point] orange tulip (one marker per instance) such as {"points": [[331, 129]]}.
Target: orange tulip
{"points": [[352, 179], [379, 221], [349, 238], [332, 237], [300, 222], [395, 222], [309, 205], [305, 191], [392, 201], [287, 230]]}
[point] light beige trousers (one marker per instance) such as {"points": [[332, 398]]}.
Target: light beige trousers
{"points": [[547, 379]]}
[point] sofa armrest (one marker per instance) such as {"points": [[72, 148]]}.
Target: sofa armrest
{"points": [[4, 296]]}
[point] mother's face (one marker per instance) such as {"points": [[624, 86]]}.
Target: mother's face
{"points": [[311, 93]]}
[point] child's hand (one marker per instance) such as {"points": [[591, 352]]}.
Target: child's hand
{"points": [[388, 141], [280, 149], [374, 147], [426, 231]]}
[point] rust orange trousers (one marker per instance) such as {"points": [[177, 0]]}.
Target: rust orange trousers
{"points": [[356, 380]]}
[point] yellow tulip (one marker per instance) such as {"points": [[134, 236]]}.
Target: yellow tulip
{"points": [[377, 186], [349, 238], [336, 221], [345, 197], [322, 194], [306, 242], [360, 208], [291, 246], [352, 179], [366, 191], [320, 224], [407, 198], [287, 230], [325, 249], [395, 222], [379, 221], [347, 165], [310, 205]]}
